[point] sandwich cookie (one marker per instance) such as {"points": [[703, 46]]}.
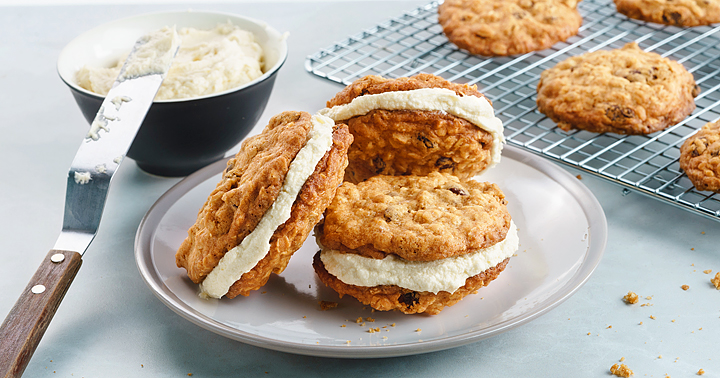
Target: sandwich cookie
{"points": [[414, 243], [270, 196], [416, 125]]}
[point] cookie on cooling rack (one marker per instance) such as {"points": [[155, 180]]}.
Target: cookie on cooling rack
{"points": [[700, 157], [508, 27], [414, 243], [416, 125], [271, 195], [623, 91], [681, 13]]}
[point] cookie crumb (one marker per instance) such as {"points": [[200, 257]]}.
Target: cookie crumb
{"points": [[347, 342], [622, 359], [707, 271], [692, 249], [588, 333], [385, 337], [189, 374], [716, 281], [579, 177], [304, 317], [701, 371], [685, 287], [392, 325], [418, 330], [263, 292], [608, 327], [358, 320], [371, 320], [640, 323], [342, 326], [631, 298], [652, 317], [327, 305], [621, 370], [660, 357]]}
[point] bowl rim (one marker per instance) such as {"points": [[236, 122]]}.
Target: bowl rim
{"points": [[272, 32]]}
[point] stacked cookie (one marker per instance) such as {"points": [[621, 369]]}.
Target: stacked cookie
{"points": [[412, 233], [409, 230]]}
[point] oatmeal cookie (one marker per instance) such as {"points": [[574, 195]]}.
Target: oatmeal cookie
{"points": [[700, 157], [508, 27], [681, 13], [417, 218], [392, 297], [624, 91], [249, 186], [416, 125]]}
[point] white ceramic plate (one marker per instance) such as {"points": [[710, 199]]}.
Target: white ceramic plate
{"points": [[562, 231]]}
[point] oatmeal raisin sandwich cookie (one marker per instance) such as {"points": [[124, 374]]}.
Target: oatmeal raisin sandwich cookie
{"points": [[700, 157], [623, 91], [416, 125], [270, 196], [414, 243], [508, 27], [682, 13]]}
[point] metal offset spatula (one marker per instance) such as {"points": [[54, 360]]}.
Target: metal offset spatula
{"points": [[91, 172]]}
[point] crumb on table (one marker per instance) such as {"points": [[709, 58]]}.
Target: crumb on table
{"points": [[685, 287], [707, 271], [631, 298], [716, 281], [701, 372], [327, 305], [621, 370]]}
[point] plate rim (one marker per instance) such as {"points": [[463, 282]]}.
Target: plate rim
{"points": [[597, 241]]}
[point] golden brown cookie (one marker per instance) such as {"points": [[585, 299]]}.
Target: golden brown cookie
{"points": [[407, 130], [419, 218], [414, 243], [700, 157], [392, 297], [508, 27], [672, 12], [249, 186], [624, 91]]}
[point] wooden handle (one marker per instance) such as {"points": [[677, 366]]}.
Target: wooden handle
{"points": [[23, 328]]}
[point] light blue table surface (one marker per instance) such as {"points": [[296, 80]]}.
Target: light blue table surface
{"points": [[111, 325]]}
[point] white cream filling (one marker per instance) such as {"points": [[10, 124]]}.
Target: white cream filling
{"points": [[475, 110], [434, 276], [256, 245]]}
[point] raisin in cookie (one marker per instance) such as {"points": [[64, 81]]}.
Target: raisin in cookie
{"points": [[700, 157], [507, 27], [416, 125], [414, 243], [624, 91], [672, 12], [271, 195]]}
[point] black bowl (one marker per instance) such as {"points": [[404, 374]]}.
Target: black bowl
{"points": [[178, 137]]}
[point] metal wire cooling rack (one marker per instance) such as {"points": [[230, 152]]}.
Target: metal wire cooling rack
{"points": [[414, 42]]}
